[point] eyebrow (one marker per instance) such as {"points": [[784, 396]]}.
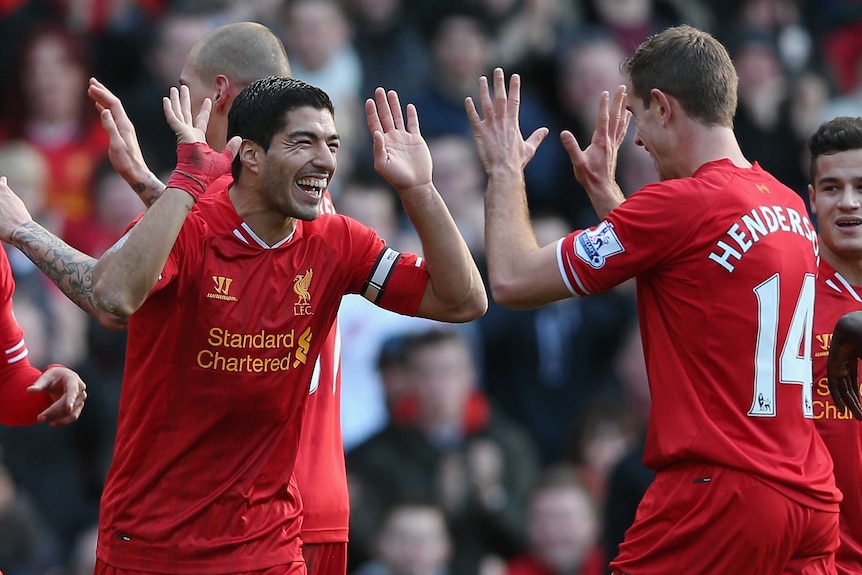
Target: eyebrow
{"points": [[833, 179]]}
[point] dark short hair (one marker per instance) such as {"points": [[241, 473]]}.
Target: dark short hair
{"points": [[260, 110], [836, 135]]}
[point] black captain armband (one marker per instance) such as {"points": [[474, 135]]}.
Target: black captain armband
{"points": [[380, 274]]}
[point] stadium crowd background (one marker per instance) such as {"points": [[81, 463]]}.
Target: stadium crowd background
{"points": [[561, 390]]}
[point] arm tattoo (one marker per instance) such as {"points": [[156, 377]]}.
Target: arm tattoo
{"points": [[67, 267], [149, 192]]}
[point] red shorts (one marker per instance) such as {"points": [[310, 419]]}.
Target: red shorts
{"points": [[295, 568], [714, 520], [325, 558]]}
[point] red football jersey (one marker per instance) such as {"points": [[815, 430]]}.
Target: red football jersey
{"points": [[320, 472], [725, 268], [841, 433], [218, 366], [17, 405]]}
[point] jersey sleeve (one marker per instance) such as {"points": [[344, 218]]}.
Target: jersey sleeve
{"points": [[386, 277], [635, 237], [17, 405]]}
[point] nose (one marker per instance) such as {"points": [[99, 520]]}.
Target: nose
{"points": [[850, 198], [325, 158]]}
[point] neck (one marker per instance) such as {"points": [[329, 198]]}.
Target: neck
{"points": [[850, 267], [705, 144], [270, 226]]}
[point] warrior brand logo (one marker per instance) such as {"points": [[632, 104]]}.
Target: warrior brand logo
{"points": [[301, 285], [763, 188], [221, 285], [596, 245]]}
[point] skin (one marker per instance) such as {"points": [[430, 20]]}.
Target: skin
{"points": [[68, 391]]}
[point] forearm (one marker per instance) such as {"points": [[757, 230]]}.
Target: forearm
{"points": [[454, 279], [71, 270], [605, 198], [509, 238], [148, 187], [125, 274]]}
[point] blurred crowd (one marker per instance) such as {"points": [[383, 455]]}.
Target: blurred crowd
{"points": [[507, 446]]}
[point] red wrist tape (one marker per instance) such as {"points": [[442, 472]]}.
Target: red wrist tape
{"points": [[198, 166]]}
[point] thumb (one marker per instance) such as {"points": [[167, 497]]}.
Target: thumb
{"points": [[570, 143], [232, 147]]}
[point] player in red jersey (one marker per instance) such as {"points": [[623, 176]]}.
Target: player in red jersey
{"points": [[724, 257], [222, 63], [228, 290], [836, 199], [27, 395]]}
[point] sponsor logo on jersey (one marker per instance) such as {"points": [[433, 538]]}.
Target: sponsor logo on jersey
{"points": [[596, 245], [301, 287], [221, 288]]}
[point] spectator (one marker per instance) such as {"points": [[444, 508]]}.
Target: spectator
{"points": [[452, 447], [47, 106], [563, 526], [413, 540]]}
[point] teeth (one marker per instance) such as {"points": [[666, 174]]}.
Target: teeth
{"points": [[313, 183]]}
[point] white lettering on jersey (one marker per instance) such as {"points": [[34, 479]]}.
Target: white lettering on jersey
{"points": [[596, 245], [754, 226]]}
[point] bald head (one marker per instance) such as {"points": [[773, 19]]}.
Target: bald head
{"points": [[243, 52]]}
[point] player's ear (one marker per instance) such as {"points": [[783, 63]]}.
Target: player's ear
{"points": [[811, 194], [222, 97], [251, 155]]}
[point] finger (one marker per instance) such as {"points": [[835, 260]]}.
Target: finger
{"points": [[379, 149], [395, 109], [413, 120], [383, 111], [232, 147], [472, 113], [617, 110], [372, 118], [3, 182], [110, 127], [485, 98], [537, 137], [203, 117], [571, 145], [499, 92], [168, 108], [186, 103], [514, 100], [602, 116]]}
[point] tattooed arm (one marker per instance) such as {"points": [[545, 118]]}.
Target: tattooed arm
{"points": [[71, 270]]}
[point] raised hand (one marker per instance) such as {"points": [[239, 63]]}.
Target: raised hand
{"points": [[67, 390], [498, 131], [595, 167], [401, 155], [13, 212], [197, 164], [124, 151], [177, 106]]}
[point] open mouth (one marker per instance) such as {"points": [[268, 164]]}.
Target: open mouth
{"points": [[848, 223], [313, 186]]}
